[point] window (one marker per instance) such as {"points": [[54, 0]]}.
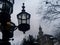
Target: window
{"points": [[0, 2], [8, 0], [19, 21], [28, 21], [12, 1], [28, 16], [19, 16], [23, 16], [1, 5], [23, 21]]}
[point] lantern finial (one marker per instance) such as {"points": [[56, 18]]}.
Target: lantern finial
{"points": [[23, 8], [23, 4]]}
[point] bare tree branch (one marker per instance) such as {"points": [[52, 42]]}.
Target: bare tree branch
{"points": [[51, 11]]}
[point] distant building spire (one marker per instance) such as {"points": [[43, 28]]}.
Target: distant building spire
{"points": [[40, 31], [40, 35]]}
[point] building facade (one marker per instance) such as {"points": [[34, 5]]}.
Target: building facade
{"points": [[44, 39]]}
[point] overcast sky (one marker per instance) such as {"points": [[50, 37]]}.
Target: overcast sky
{"points": [[32, 7]]}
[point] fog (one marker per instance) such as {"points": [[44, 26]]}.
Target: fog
{"points": [[32, 7]]}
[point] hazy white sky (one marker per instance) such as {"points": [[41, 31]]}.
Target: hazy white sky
{"points": [[50, 25], [31, 7]]}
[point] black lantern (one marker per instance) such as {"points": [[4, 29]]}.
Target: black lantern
{"points": [[23, 20], [6, 6]]}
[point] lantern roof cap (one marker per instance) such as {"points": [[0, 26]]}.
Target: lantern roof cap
{"points": [[23, 7], [23, 11]]}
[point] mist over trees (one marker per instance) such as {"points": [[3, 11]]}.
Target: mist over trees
{"points": [[42, 39], [30, 40], [50, 11]]}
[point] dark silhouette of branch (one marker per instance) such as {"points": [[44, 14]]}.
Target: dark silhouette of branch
{"points": [[51, 11]]}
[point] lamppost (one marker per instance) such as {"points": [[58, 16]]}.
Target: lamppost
{"points": [[6, 26], [23, 20]]}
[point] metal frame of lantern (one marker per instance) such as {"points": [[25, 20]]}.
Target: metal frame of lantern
{"points": [[23, 20]]}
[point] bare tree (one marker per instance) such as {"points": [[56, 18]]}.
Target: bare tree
{"points": [[51, 11]]}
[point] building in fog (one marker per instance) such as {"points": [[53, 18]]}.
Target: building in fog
{"points": [[45, 39]]}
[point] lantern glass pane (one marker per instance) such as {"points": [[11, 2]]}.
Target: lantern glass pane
{"points": [[23, 16], [27, 16], [11, 1], [23, 21], [10, 10], [1, 5], [28, 21], [19, 16], [19, 21], [0, 2]]}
